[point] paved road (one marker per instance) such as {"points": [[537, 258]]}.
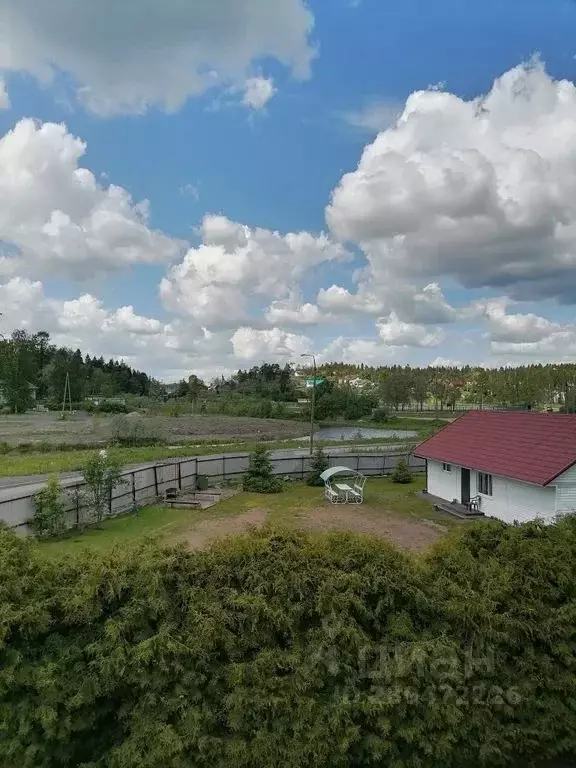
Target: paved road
{"points": [[13, 487]]}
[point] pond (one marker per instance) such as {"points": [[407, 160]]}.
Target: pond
{"points": [[360, 433]]}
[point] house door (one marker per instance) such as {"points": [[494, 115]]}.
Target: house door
{"points": [[465, 486]]}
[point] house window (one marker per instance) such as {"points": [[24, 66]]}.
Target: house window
{"points": [[484, 484], [447, 467]]}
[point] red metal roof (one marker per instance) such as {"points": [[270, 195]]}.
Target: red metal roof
{"points": [[533, 447]]}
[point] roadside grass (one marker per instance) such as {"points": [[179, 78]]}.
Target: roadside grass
{"points": [[170, 525]]}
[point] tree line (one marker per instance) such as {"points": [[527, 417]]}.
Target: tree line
{"points": [[278, 649], [31, 363]]}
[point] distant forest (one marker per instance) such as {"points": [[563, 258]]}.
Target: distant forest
{"points": [[30, 364], [29, 361]]}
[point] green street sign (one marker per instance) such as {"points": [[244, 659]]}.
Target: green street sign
{"points": [[310, 382]]}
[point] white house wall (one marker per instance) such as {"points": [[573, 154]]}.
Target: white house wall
{"points": [[566, 491], [511, 499], [444, 484]]}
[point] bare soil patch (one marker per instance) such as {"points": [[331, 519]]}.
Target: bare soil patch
{"points": [[36, 427], [413, 535], [208, 530]]}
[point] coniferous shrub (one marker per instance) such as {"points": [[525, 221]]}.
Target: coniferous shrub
{"points": [[278, 649], [318, 464], [259, 477], [402, 473]]}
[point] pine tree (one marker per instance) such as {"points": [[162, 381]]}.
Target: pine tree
{"points": [[402, 473], [318, 464], [259, 478]]}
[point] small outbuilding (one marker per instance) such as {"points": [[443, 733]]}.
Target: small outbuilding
{"points": [[508, 465]]}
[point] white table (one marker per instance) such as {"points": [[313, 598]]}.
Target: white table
{"points": [[344, 488]]}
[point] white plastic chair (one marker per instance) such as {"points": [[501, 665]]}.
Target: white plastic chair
{"points": [[356, 495]]}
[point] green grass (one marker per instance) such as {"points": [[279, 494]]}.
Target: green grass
{"points": [[169, 525], [15, 464]]}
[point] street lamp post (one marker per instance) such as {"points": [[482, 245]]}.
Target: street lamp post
{"points": [[313, 403]]}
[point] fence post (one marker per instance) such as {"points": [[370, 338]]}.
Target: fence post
{"points": [[155, 481], [358, 463], [384, 465], [110, 502], [77, 500], [134, 488], [179, 475], [302, 467], [224, 468]]}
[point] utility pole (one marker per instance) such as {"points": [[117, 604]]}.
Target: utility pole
{"points": [[67, 394], [313, 403]]}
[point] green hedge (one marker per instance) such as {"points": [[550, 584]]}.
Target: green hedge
{"points": [[281, 650]]}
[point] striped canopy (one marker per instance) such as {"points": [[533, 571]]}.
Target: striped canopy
{"points": [[328, 473]]}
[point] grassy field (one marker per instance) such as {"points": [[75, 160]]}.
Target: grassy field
{"points": [[286, 509], [17, 462], [14, 465]]}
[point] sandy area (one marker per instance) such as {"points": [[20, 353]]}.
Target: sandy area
{"points": [[413, 535], [208, 530]]}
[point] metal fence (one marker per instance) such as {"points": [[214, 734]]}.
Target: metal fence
{"points": [[141, 487]]}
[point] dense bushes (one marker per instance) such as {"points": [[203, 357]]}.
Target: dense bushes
{"points": [[282, 650]]}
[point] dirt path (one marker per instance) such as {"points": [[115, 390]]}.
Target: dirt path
{"points": [[416, 536], [413, 535], [207, 530]]}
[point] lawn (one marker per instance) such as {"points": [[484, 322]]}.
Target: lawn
{"points": [[391, 511]]}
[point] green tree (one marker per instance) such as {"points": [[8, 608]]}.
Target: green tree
{"points": [[318, 464], [49, 510], [402, 473], [259, 478], [101, 475]]}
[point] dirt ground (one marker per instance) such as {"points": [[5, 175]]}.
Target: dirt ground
{"points": [[412, 535], [84, 428], [208, 530]]}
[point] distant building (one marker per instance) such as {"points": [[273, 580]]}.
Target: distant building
{"points": [[98, 400]]}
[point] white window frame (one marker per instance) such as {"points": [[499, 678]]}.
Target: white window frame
{"points": [[446, 467], [485, 485]]}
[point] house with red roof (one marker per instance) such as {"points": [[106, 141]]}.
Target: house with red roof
{"points": [[508, 465]]}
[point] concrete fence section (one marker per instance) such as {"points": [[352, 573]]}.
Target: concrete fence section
{"points": [[147, 485]]}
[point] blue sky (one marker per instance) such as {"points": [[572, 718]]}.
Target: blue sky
{"points": [[210, 287]]}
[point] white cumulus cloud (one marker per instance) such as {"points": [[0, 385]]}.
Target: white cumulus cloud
{"points": [[58, 219], [397, 333], [256, 344], [127, 57], [483, 191], [235, 262], [257, 92]]}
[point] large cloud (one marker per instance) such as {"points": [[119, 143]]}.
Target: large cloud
{"points": [[255, 344], [481, 190], [412, 305], [234, 262], [55, 218], [396, 333], [168, 350], [126, 56]]}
